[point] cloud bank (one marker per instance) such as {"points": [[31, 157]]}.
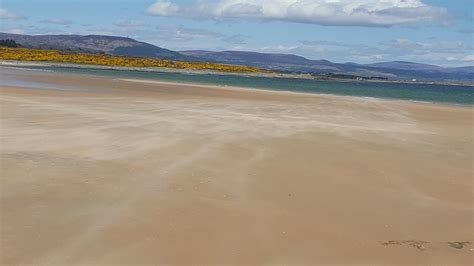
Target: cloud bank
{"points": [[5, 14], [183, 34], [373, 13], [445, 53], [128, 23], [61, 22]]}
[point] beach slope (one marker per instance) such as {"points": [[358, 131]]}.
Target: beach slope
{"points": [[104, 171]]}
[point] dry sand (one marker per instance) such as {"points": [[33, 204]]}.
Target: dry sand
{"points": [[119, 172]]}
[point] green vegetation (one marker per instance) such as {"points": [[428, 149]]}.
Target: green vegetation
{"points": [[23, 54]]}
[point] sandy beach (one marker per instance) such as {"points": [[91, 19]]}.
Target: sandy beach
{"points": [[101, 171]]}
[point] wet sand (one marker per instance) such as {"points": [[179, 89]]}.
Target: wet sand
{"points": [[101, 171]]}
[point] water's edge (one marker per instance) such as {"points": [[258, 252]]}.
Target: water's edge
{"points": [[421, 93]]}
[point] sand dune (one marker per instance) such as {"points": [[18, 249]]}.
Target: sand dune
{"points": [[114, 171]]}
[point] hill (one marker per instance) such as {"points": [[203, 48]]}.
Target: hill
{"points": [[122, 46], [26, 54], [293, 63], [112, 45], [282, 62]]}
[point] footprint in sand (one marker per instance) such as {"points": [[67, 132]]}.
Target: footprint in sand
{"points": [[458, 245], [418, 244], [421, 245]]}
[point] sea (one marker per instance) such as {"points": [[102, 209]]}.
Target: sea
{"points": [[430, 93]]}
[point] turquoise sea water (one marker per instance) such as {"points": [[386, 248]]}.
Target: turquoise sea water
{"points": [[450, 94]]}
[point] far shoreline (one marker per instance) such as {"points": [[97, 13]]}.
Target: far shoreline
{"points": [[26, 64], [247, 89]]}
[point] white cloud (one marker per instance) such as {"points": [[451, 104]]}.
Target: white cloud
{"points": [[14, 31], [378, 13], [468, 58], [183, 34], [403, 46], [5, 14], [62, 22], [444, 53], [236, 39], [128, 23], [163, 8]]}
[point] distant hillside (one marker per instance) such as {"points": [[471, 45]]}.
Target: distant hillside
{"points": [[293, 63], [276, 62], [93, 44], [283, 62], [249, 57]]}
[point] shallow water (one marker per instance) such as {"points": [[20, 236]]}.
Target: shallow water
{"points": [[452, 94]]}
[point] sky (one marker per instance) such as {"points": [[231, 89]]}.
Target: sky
{"points": [[437, 32]]}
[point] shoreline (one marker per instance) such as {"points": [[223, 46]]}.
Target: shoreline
{"points": [[210, 72], [249, 89], [309, 94], [144, 69]]}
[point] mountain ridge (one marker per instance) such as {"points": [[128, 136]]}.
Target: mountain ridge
{"points": [[392, 69], [125, 46]]}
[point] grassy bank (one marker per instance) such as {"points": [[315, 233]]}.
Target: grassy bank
{"points": [[23, 54]]}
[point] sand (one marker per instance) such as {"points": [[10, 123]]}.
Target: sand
{"points": [[105, 172]]}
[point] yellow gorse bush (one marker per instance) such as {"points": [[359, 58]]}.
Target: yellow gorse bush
{"points": [[24, 54]]}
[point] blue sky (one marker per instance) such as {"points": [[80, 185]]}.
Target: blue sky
{"points": [[428, 31]]}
